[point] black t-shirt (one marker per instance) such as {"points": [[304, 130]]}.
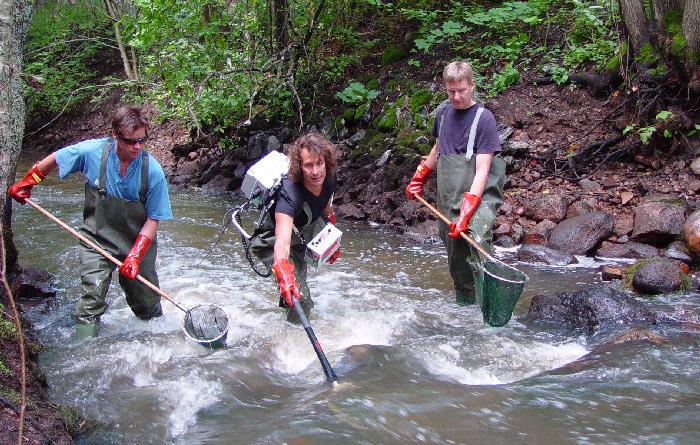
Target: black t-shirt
{"points": [[292, 197], [455, 130]]}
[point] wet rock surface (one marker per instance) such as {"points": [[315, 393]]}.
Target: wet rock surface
{"points": [[657, 276], [589, 309]]}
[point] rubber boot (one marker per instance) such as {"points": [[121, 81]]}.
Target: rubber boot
{"points": [[86, 330], [464, 297]]}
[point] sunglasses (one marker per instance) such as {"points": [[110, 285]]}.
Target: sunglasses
{"points": [[133, 141]]}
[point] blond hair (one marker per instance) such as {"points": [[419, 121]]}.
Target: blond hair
{"points": [[457, 71]]}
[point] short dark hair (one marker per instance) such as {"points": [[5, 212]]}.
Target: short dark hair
{"points": [[128, 120], [318, 146]]}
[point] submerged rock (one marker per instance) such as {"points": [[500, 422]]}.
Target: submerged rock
{"points": [[657, 276], [533, 253], [589, 309]]}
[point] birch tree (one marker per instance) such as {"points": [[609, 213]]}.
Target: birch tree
{"points": [[14, 20]]}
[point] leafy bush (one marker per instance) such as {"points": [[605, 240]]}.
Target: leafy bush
{"points": [[356, 94], [63, 42]]}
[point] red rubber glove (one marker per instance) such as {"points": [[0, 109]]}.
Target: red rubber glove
{"points": [[333, 258], [419, 178], [22, 190], [130, 266], [469, 204], [284, 274]]}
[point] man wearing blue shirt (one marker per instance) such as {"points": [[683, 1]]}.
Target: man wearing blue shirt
{"points": [[126, 196]]}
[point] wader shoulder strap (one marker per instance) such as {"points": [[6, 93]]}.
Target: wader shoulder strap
{"points": [[101, 189], [144, 175], [472, 134]]}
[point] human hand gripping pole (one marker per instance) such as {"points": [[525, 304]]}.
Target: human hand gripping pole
{"points": [[130, 266], [284, 274], [22, 189], [289, 289], [470, 202], [419, 178], [197, 321]]}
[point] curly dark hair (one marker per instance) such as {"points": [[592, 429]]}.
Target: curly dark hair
{"points": [[318, 146]]}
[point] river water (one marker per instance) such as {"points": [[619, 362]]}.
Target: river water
{"points": [[414, 367]]}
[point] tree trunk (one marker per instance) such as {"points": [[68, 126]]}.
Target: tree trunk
{"points": [[691, 28], [14, 20], [636, 23], [661, 7], [116, 9], [281, 11]]}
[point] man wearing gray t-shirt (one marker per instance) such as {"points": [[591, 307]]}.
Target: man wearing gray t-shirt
{"points": [[470, 178]]}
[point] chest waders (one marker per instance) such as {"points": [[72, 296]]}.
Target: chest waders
{"points": [[113, 223], [455, 174], [263, 247]]}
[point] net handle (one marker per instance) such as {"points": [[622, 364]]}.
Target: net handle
{"points": [[466, 237], [100, 250]]}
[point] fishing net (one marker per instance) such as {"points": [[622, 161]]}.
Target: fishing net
{"points": [[207, 324], [502, 286]]}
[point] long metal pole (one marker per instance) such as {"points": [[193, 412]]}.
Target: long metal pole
{"points": [[330, 374], [466, 237], [100, 250]]}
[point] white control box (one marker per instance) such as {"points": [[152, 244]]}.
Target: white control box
{"points": [[324, 244], [264, 174]]}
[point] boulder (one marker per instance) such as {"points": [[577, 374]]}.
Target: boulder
{"points": [[350, 211], [35, 283], [504, 241], [677, 250], [552, 207], [626, 250], [609, 273], [658, 221], [691, 232], [578, 208], [581, 234], [533, 253], [589, 309], [657, 276]]}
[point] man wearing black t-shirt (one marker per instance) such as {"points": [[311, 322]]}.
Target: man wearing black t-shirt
{"points": [[304, 200], [469, 177]]}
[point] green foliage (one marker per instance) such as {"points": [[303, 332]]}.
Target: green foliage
{"points": [[503, 79], [646, 133], [391, 54], [4, 370], [418, 99], [356, 94], [63, 48], [7, 328], [387, 121], [695, 130]]}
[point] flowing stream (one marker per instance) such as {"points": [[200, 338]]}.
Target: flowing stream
{"points": [[414, 367]]}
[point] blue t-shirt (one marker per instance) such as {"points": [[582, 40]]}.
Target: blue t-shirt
{"points": [[453, 135], [85, 157]]}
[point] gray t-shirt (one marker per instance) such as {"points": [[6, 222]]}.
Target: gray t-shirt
{"points": [[453, 135]]}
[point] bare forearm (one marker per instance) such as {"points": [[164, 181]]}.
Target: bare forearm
{"points": [[149, 228], [283, 236], [431, 160], [48, 164], [483, 165]]}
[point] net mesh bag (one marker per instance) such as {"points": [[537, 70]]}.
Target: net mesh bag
{"points": [[206, 323], [502, 286]]}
